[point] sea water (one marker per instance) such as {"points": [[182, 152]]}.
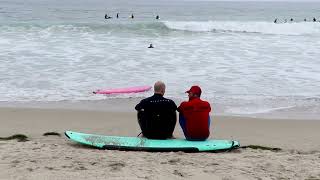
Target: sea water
{"points": [[244, 62]]}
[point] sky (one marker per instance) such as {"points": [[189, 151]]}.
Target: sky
{"points": [[262, 0]]}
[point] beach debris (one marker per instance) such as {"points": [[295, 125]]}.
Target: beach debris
{"points": [[19, 137], [52, 134], [261, 147]]}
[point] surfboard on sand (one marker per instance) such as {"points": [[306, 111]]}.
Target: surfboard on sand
{"points": [[135, 89], [144, 144]]}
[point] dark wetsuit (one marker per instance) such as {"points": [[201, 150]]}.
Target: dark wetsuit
{"points": [[157, 117]]}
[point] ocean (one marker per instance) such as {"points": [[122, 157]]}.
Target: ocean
{"points": [[52, 51]]}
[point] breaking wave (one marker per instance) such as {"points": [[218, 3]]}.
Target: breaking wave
{"points": [[301, 28]]}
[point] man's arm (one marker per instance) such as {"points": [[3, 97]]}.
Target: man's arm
{"points": [[174, 106], [179, 109], [172, 124], [139, 106], [209, 106]]}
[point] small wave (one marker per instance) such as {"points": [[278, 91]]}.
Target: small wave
{"points": [[255, 110], [246, 27], [86, 27]]}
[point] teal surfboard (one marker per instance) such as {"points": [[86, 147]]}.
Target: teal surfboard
{"points": [[144, 144]]}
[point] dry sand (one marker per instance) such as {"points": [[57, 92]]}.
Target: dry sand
{"points": [[54, 157]]}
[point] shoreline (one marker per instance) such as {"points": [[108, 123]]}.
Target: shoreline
{"points": [[128, 104]]}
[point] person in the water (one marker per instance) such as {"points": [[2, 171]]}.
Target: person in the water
{"points": [[276, 20], [132, 16], [157, 17], [107, 17], [314, 19], [150, 46], [305, 20], [117, 15]]}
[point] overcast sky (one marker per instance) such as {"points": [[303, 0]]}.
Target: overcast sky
{"points": [[263, 0]]}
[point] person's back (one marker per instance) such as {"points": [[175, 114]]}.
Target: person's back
{"points": [[157, 115], [194, 116]]}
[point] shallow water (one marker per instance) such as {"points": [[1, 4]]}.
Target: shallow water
{"points": [[245, 64]]}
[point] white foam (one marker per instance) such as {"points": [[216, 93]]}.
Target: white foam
{"points": [[254, 110], [65, 63], [250, 27]]}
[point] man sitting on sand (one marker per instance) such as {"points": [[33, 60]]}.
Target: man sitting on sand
{"points": [[157, 115], [194, 116]]}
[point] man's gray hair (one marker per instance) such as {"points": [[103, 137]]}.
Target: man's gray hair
{"points": [[159, 86]]}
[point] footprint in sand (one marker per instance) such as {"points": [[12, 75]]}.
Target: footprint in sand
{"points": [[15, 163], [117, 166], [178, 173], [49, 168], [174, 161], [30, 169], [93, 163], [81, 168]]}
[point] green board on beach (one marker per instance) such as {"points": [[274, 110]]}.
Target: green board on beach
{"points": [[144, 144]]}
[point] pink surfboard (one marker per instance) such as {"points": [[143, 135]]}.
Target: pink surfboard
{"points": [[123, 90]]}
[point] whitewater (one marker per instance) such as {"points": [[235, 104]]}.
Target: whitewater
{"points": [[244, 65]]}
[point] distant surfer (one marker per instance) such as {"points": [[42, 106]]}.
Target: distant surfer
{"points": [[314, 19], [157, 17], [305, 20], [150, 46], [291, 19], [132, 16], [117, 15], [107, 17], [276, 20]]}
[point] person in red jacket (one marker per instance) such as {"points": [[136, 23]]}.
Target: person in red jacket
{"points": [[194, 116]]}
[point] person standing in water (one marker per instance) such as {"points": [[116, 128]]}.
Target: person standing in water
{"points": [[275, 21], [117, 15], [157, 17], [132, 16], [107, 17]]}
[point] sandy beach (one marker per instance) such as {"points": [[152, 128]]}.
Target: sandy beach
{"points": [[55, 157], [256, 61]]}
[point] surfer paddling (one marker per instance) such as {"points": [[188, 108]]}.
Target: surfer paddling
{"points": [[107, 17]]}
